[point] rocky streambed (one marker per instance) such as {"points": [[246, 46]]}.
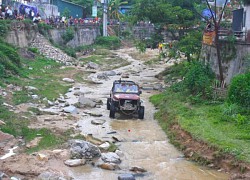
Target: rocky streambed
{"points": [[143, 150]]}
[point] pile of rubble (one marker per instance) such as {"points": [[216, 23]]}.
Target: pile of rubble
{"points": [[51, 52]]}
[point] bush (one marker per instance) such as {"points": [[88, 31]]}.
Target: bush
{"points": [[110, 42], [198, 79], [68, 35], [44, 28], [34, 50], [3, 28], [239, 90], [11, 53]]}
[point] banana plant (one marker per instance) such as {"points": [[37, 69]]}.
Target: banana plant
{"points": [[114, 7]]}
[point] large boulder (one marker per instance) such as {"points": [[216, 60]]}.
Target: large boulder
{"points": [[111, 157], [70, 109], [82, 149], [110, 73], [74, 162], [92, 65], [85, 102], [52, 176]]}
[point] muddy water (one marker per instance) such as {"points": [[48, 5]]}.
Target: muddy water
{"points": [[143, 142]]}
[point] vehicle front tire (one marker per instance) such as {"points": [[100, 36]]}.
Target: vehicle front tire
{"points": [[112, 111], [141, 112], [108, 103]]}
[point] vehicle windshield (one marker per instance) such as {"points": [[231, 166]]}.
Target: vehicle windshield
{"points": [[126, 88]]}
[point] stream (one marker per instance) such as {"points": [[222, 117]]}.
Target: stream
{"points": [[142, 142]]}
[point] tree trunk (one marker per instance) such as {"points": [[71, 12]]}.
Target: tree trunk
{"points": [[217, 45]]}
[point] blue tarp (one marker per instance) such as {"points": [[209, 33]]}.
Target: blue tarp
{"points": [[34, 8], [206, 13]]}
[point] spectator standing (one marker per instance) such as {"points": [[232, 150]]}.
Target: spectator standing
{"points": [[9, 13], [15, 13], [22, 11], [37, 18]]}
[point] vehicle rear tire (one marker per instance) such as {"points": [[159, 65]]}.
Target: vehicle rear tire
{"points": [[141, 112], [108, 103], [112, 110]]}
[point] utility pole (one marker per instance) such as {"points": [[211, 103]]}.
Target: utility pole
{"points": [[105, 17]]}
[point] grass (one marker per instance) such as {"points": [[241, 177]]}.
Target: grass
{"points": [[18, 127], [204, 122], [44, 74], [106, 59]]}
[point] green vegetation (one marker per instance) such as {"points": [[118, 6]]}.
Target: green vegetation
{"points": [[9, 60], [239, 90], [103, 57], [18, 126], [109, 42], [224, 125], [68, 35], [42, 73]]}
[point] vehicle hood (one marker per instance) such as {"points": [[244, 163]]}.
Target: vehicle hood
{"points": [[126, 96]]}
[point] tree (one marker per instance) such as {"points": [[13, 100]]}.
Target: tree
{"points": [[216, 23], [114, 7], [164, 15], [190, 44]]}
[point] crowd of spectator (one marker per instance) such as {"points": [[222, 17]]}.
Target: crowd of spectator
{"points": [[64, 21], [8, 12], [21, 13]]}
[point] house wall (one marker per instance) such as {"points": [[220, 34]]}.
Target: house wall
{"points": [[247, 22], [76, 11]]}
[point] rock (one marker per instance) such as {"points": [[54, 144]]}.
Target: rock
{"points": [[109, 166], [105, 146], [42, 157], [51, 176], [3, 175], [31, 88], [2, 123], [125, 76], [137, 169], [75, 162], [103, 76], [70, 109], [126, 177], [14, 178], [82, 149], [119, 153], [158, 87], [97, 121], [111, 157], [34, 96], [79, 93], [110, 73], [50, 103], [48, 111], [85, 102], [147, 88], [92, 65], [61, 100], [34, 142], [8, 105], [69, 80], [95, 114]]}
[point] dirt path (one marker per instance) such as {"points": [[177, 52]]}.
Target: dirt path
{"points": [[142, 142]]}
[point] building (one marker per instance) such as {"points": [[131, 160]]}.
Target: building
{"points": [[74, 10]]}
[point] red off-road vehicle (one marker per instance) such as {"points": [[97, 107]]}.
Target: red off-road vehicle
{"points": [[125, 98]]}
